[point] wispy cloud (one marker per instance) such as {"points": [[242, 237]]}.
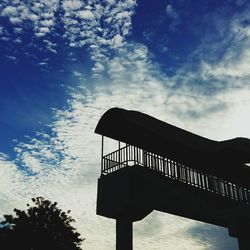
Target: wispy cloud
{"points": [[100, 27], [174, 16], [235, 62], [211, 98], [63, 164], [211, 236]]}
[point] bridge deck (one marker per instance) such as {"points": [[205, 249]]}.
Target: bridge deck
{"points": [[131, 155]]}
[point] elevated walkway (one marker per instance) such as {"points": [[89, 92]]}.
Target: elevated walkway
{"points": [[180, 173], [134, 191], [171, 170]]}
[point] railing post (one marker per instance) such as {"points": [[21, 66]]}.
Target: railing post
{"points": [[102, 155], [143, 158], [126, 154], [134, 156], [119, 154]]}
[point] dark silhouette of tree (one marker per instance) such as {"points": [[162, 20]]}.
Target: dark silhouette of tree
{"points": [[42, 227]]}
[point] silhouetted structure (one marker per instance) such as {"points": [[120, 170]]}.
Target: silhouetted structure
{"points": [[168, 169]]}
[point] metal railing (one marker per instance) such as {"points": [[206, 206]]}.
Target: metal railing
{"points": [[131, 155]]}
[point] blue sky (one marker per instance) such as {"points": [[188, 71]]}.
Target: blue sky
{"points": [[64, 63]]}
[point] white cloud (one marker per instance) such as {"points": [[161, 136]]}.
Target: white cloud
{"points": [[40, 34], [117, 41], [72, 4], [19, 13], [37, 6], [174, 16], [47, 23], [9, 11], [15, 20], [68, 158], [171, 12], [95, 34], [227, 68], [17, 40], [48, 15], [77, 73], [3, 32], [33, 17], [50, 46], [44, 30], [108, 23], [124, 14], [5, 38], [12, 58], [18, 30], [235, 62], [85, 14], [98, 68]]}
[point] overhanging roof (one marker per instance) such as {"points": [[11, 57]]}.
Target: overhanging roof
{"points": [[225, 159]]}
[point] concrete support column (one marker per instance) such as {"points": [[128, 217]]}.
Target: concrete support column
{"points": [[124, 234], [244, 243], [239, 226]]}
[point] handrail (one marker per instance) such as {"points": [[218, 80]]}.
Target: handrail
{"points": [[116, 151], [175, 171]]}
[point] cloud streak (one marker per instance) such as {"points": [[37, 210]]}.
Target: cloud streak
{"points": [[63, 164], [99, 27]]}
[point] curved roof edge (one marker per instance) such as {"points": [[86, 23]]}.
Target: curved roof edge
{"points": [[220, 158]]}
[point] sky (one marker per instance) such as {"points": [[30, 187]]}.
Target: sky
{"points": [[65, 62]]}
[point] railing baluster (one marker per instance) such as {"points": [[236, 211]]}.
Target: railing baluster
{"points": [[130, 153], [164, 166], [135, 159], [245, 195], [126, 155], [169, 168], [186, 174], [198, 179], [156, 163]]}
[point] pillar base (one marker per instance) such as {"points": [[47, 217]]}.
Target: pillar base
{"points": [[244, 243], [124, 234]]}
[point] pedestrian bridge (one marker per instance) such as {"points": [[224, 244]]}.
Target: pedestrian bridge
{"points": [[130, 155], [165, 168]]}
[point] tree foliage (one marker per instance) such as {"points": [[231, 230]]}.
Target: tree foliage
{"points": [[42, 227]]}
